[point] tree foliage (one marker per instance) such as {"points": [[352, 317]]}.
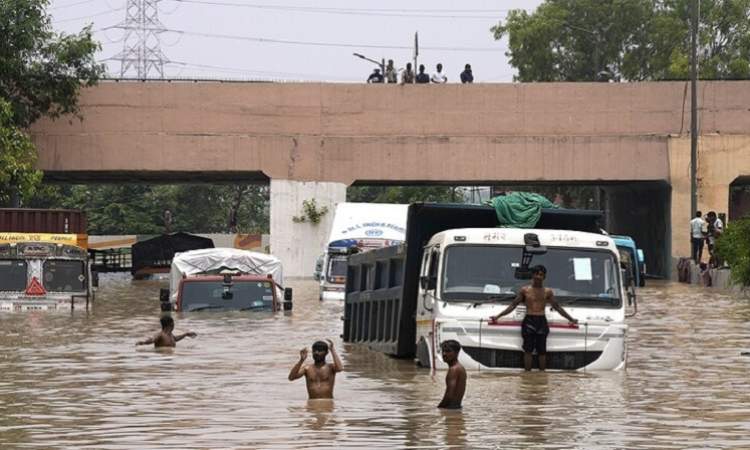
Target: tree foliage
{"points": [[636, 40], [403, 194], [140, 208], [17, 158], [733, 246], [41, 74], [42, 71]]}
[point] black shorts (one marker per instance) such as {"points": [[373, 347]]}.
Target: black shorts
{"points": [[534, 330]]}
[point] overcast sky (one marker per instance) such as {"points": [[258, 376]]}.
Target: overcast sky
{"points": [[233, 39]]}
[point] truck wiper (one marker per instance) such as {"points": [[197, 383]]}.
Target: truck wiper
{"points": [[205, 307], [494, 298], [247, 308], [590, 300]]}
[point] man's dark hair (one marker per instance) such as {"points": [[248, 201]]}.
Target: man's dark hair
{"points": [[698, 214], [711, 214], [320, 346], [166, 322], [451, 345], [421, 68], [539, 268]]}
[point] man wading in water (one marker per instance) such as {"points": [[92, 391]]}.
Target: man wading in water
{"points": [[534, 328], [319, 376]]}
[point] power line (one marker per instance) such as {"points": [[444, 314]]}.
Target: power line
{"points": [[89, 16], [72, 4], [319, 44], [415, 13]]}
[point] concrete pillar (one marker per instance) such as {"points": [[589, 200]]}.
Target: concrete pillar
{"points": [[299, 244]]}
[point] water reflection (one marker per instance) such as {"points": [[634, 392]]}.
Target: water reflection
{"points": [[76, 380]]}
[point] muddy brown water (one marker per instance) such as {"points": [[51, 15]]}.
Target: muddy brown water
{"points": [[76, 381]]}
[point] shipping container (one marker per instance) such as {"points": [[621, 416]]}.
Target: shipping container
{"points": [[27, 220]]}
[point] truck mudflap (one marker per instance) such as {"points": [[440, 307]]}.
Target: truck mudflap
{"points": [[498, 346]]}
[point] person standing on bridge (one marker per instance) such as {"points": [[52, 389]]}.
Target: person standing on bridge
{"points": [[422, 78], [696, 236], [407, 76], [439, 77], [375, 77], [391, 75], [467, 77]]}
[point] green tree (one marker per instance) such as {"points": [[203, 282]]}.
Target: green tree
{"points": [[589, 40], [41, 74], [17, 159], [404, 194], [140, 208], [733, 246]]}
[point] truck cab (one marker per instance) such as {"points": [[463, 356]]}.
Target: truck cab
{"points": [[470, 274], [632, 259], [225, 279]]}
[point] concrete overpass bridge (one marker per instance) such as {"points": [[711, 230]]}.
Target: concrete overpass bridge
{"points": [[314, 140]]}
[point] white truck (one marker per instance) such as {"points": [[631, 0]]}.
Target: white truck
{"points": [[457, 269], [357, 227]]}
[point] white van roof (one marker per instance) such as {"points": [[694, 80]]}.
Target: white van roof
{"points": [[369, 221]]}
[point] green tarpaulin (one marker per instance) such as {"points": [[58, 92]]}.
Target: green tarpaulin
{"points": [[520, 209]]}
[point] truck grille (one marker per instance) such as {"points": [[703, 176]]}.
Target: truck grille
{"points": [[491, 357]]}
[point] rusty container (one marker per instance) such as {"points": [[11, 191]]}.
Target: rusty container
{"points": [[28, 220]]}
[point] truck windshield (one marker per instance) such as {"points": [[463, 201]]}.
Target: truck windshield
{"points": [[12, 275], [585, 277], [337, 269], [241, 295], [64, 275]]}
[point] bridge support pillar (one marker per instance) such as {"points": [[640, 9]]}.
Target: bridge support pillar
{"points": [[296, 243]]}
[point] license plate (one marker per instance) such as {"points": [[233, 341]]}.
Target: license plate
{"points": [[34, 307]]}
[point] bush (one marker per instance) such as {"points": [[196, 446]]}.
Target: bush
{"points": [[733, 246]]}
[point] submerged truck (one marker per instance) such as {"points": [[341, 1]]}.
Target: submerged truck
{"points": [[43, 260], [457, 268], [357, 227]]}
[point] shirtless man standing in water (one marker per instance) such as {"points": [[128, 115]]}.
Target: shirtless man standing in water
{"points": [[319, 376], [534, 328]]}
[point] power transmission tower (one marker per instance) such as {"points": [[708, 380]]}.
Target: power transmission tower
{"points": [[141, 53]]}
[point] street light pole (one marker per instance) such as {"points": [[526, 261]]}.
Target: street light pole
{"points": [[694, 108], [380, 63]]}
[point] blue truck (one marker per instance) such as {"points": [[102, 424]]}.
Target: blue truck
{"points": [[629, 251]]}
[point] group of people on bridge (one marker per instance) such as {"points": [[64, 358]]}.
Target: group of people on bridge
{"points": [[409, 77]]}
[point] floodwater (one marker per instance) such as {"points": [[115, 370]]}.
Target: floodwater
{"points": [[77, 381]]}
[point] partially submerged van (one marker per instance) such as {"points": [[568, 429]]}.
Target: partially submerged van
{"points": [[225, 279]]}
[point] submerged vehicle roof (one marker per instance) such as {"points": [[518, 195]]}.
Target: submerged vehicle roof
{"points": [[369, 221], [214, 260]]}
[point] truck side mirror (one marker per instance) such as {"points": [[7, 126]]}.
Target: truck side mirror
{"points": [[166, 305], [427, 283], [287, 299]]}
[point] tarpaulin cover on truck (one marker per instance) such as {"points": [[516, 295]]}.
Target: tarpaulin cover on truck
{"points": [[520, 209]]}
